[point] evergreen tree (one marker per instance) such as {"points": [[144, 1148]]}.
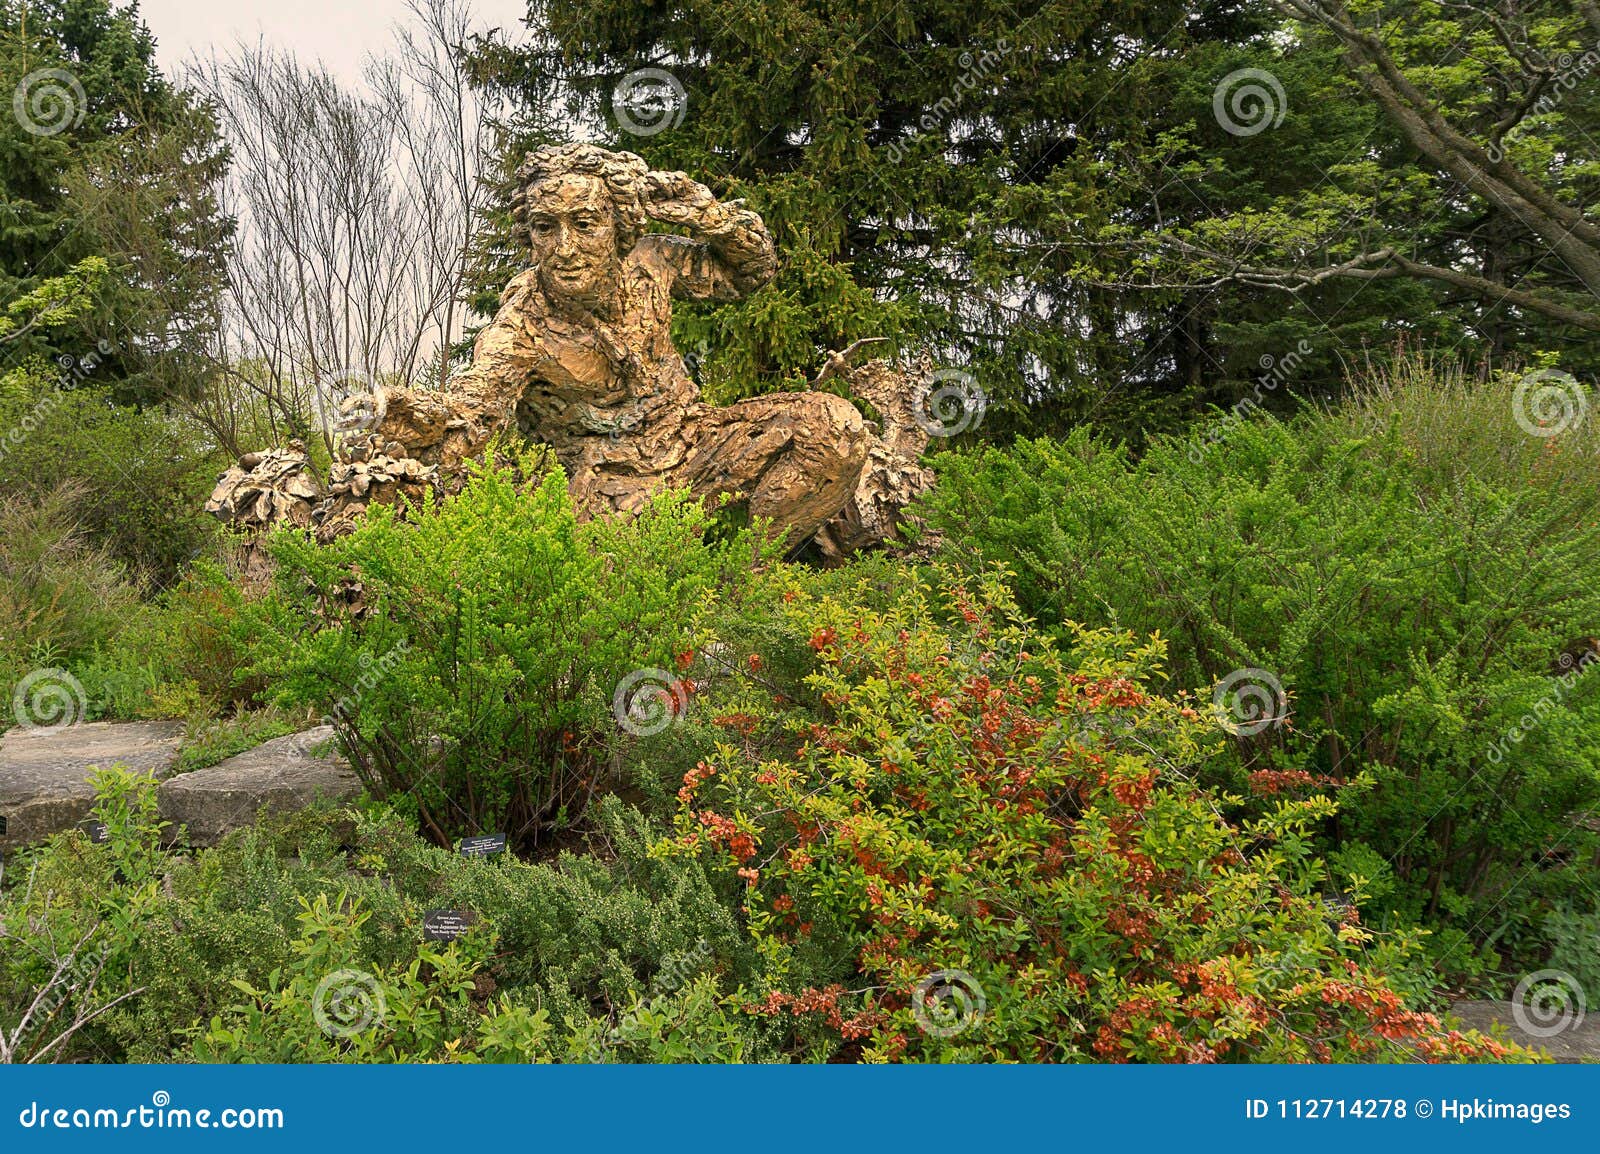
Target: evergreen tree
{"points": [[102, 157], [1072, 198], [907, 156]]}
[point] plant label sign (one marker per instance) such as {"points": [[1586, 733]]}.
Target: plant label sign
{"points": [[484, 845], [447, 925], [2, 825], [95, 831]]}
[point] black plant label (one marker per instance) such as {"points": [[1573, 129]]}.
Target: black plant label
{"points": [[447, 925], [484, 845]]}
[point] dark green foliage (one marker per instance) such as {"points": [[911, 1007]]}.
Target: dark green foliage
{"points": [[125, 172], [141, 476], [583, 937], [913, 160], [184, 654], [59, 594], [1049, 196]]}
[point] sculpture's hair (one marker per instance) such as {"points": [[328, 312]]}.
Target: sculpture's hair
{"points": [[624, 175]]}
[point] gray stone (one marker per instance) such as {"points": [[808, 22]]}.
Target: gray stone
{"points": [[278, 776], [1577, 1041], [44, 773]]}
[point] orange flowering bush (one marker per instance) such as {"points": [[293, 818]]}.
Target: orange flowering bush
{"points": [[996, 852]]}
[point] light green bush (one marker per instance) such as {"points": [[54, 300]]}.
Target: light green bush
{"points": [[477, 679]]}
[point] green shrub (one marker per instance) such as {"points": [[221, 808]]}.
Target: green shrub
{"points": [[140, 477], [1001, 855], [1401, 588], [609, 945], [72, 925], [320, 1010], [476, 679], [184, 655], [1574, 933], [59, 594]]}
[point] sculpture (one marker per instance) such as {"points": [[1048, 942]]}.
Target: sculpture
{"points": [[580, 357]]}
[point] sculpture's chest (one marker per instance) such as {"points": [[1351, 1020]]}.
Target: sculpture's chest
{"points": [[611, 363]]}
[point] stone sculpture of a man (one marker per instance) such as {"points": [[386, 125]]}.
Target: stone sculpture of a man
{"points": [[580, 357]]}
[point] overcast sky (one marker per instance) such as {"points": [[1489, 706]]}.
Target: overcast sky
{"points": [[340, 32]]}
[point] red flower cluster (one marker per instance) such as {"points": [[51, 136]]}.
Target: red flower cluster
{"points": [[1271, 781], [725, 832]]}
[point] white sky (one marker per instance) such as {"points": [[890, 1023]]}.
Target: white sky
{"points": [[340, 32]]}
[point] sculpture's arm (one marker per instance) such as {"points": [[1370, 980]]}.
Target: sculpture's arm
{"points": [[729, 252], [478, 401], [504, 354]]}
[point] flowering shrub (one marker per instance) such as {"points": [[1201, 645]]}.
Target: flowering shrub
{"points": [[1416, 574], [1002, 852]]}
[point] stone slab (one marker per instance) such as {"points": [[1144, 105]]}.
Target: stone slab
{"points": [[1577, 1040], [44, 772], [277, 776]]}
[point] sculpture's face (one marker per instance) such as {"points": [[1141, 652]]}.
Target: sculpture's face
{"points": [[573, 232]]}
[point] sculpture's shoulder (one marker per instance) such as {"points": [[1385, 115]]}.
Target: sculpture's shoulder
{"points": [[521, 289]]}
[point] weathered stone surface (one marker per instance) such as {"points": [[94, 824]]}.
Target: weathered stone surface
{"points": [[44, 773], [1578, 1042], [277, 776], [580, 357]]}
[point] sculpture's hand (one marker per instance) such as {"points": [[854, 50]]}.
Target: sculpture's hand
{"points": [[745, 257], [676, 198]]}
